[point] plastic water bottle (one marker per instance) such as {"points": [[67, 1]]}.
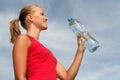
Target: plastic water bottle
{"points": [[90, 43]]}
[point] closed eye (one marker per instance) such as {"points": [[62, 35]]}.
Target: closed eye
{"points": [[42, 14]]}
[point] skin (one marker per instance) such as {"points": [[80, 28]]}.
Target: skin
{"points": [[35, 23]]}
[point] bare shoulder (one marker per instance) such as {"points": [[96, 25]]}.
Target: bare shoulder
{"points": [[22, 36], [22, 39]]}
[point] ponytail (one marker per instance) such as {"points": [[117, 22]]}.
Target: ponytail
{"points": [[14, 30], [14, 27]]}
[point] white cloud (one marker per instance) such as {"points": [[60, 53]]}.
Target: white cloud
{"points": [[104, 73]]}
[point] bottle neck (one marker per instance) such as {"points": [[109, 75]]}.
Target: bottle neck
{"points": [[74, 21]]}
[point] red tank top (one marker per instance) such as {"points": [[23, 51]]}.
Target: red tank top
{"points": [[41, 64]]}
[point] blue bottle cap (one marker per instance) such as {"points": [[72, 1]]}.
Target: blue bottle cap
{"points": [[69, 19]]}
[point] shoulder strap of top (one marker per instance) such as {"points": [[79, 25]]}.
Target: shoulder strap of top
{"points": [[29, 37]]}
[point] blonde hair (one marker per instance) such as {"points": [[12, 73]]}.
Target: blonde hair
{"points": [[14, 24]]}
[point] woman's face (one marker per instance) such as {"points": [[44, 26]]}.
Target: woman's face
{"points": [[39, 19]]}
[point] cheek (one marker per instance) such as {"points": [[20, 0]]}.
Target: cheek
{"points": [[42, 25], [38, 21]]}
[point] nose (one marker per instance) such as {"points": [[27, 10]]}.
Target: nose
{"points": [[46, 18]]}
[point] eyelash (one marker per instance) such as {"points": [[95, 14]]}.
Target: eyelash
{"points": [[42, 14]]}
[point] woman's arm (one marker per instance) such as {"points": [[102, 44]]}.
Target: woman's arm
{"points": [[70, 74], [20, 56]]}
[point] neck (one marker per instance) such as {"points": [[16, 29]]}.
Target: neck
{"points": [[34, 32]]}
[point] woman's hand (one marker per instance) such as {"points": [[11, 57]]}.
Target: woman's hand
{"points": [[80, 44]]}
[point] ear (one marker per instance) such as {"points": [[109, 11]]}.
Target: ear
{"points": [[29, 17]]}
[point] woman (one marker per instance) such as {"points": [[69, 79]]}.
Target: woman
{"points": [[33, 61]]}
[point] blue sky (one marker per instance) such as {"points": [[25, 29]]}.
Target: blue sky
{"points": [[100, 17]]}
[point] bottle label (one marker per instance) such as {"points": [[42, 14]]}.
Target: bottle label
{"points": [[85, 35]]}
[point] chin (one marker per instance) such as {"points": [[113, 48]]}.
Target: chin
{"points": [[45, 28]]}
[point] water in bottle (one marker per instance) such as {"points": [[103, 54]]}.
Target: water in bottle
{"points": [[90, 43]]}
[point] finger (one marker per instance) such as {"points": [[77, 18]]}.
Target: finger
{"points": [[79, 36], [79, 39]]}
